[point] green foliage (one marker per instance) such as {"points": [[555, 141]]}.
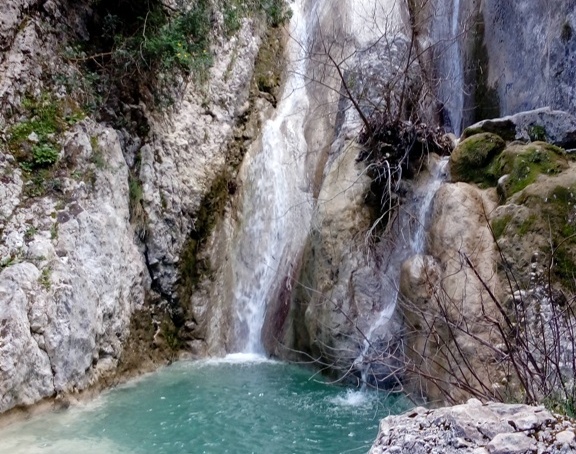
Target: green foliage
{"points": [[276, 12], [54, 231], [561, 406], [30, 232], [537, 133], [136, 194], [5, 262], [170, 334], [44, 279], [44, 155], [34, 141], [182, 42]]}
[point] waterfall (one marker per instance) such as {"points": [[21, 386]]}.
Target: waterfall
{"points": [[451, 72], [276, 208], [276, 203], [411, 241], [426, 194]]}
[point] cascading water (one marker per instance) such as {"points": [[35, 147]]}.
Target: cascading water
{"points": [[451, 71], [426, 195], [411, 241], [276, 203]]}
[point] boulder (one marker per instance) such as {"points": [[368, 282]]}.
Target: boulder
{"points": [[553, 126], [473, 427], [471, 157]]}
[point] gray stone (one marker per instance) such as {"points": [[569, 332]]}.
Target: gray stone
{"points": [[475, 428], [531, 48], [554, 126], [511, 443], [566, 437], [60, 312]]}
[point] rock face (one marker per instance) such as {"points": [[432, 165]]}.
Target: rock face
{"points": [[500, 249], [197, 131], [343, 291], [73, 277], [492, 59], [93, 220], [531, 48], [444, 298], [476, 429]]}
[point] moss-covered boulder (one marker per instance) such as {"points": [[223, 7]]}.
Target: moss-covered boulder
{"points": [[471, 158], [523, 163], [540, 221]]}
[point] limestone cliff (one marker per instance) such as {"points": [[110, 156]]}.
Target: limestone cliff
{"points": [[101, 189]]}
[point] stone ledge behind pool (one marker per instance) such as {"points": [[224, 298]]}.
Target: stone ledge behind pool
{"points": [[477, 428]]}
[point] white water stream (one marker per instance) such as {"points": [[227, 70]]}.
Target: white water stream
{"points": [[277, 204], [411, 241]]}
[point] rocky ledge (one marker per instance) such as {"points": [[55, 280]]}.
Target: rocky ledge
{"points": [[477, 428]]}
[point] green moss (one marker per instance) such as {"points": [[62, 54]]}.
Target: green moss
{"points": [[499, 225], [471, 158], [537, 132], [192, 267], [527, 225], [525, 163], [554, 217], [469, 132], [269, 62]]}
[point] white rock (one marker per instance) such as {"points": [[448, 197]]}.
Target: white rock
{"points": [[511, 443], [566, 437]]}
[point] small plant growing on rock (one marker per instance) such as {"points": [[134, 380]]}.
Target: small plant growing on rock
{"points": [[35, 141], [45, 278]]}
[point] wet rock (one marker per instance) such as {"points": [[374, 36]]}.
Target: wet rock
{"points": [[531, 54], [418, 278], [455, 295]]}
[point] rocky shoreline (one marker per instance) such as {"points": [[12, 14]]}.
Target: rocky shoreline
{"points": [[476, 428]]}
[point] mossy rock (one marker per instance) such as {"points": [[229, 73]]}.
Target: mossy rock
{"points": [[553, 218], [523, 163], [471, 158]]}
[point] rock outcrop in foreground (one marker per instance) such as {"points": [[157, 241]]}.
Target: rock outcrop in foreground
{"points": [[477, 428]]}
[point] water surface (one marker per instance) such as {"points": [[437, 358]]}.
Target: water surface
{"points": [[226, 406]]}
